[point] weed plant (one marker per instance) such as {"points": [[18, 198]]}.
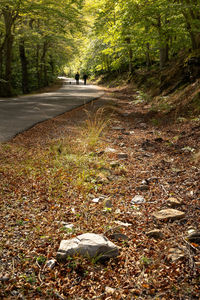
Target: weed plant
{"points": [[93, 129]]}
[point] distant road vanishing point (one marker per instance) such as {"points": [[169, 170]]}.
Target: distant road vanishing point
{"points": [[21, 113]]}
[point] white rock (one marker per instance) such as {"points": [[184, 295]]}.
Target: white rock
{"points": [[110, 150], [175, 254], [89, 245], [122, 223], [169, 213], [138, 200], [122, 155], [68, 226], [96, 200], [173, 202], [109, 290], [118, 128], [155, 233], [51, 263]]}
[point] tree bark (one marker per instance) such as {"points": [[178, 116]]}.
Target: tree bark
{"points": [[164, 55], [130, 55], [192, 19], [148, 59], [24, 64], [37, 66], [8, 20], [43, 68]]}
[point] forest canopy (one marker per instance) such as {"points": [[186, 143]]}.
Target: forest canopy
{"points": [[37, 38], [141, 32], [41, 38]]}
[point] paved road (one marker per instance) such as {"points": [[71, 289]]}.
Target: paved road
{"points": [[19, 114]]}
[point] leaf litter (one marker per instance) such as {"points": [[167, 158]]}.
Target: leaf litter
{"points": [[50, 176]]}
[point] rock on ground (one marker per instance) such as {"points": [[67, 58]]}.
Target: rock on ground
{"points": [[89, 245], [175, 254], [166, 214], [173, 202], [155, 233]]}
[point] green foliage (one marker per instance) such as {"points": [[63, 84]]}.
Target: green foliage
{"points": [[126, 34], [41, 260], [41, 37]]}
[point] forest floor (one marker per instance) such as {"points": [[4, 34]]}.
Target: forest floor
{"points": [[49, 176]]}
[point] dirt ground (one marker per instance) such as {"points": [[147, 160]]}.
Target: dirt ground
{"points": [[160, 161]]}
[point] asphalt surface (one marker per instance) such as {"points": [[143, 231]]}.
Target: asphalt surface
{"points": [[21, 113]]}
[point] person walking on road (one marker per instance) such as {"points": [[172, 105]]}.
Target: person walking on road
{"points": [[77, 76], [85, 78]]}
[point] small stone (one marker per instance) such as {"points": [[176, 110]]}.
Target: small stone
{"points": [[109, 290], [119, 237], [108, 204], [4, 278], [175, 254], [173, 202], [88, 245], [138, 200], [51, 263], [194, 236], [143, 125], [110, 150], [95, 200], [167, 214], [147, 155], [122, 155], [102, 178], [118, 128], [68, 226], [122, 223], [100, 153], [155, 233], [145, 182]]}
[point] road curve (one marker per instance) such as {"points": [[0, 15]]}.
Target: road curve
{"points": [[20, 113]]}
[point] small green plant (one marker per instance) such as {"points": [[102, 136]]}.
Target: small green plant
{"points": [[41, 260], [20, 222], [142, 97], [145, 261], [29, 278], [155, 122], [96, 259]]}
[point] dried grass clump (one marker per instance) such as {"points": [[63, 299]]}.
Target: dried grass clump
{"points": [[93, 128]]}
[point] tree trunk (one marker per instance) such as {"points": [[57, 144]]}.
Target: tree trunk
{"points": [[148, 59], [43, 68], [164, 55], [24, 65], [8, 20], [192, 19], [1, 69], [130, 55], [37, 66]]}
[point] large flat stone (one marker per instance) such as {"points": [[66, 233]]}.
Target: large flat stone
{"points": [[169, 214], [88, 245]]}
